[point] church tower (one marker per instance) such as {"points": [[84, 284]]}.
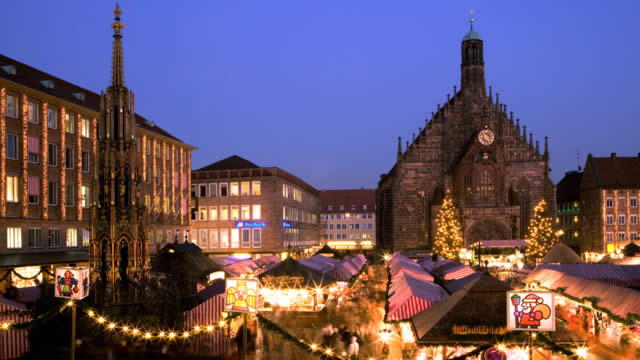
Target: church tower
{"points": [[118, 255], [472, 66]]}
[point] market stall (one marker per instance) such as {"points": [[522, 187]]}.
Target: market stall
{"points": [[562, 254], [445, 269], [399, 264], [409, 296]]}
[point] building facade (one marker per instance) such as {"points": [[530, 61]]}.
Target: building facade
{"points": [[48, 150], [348, 218], [609, 193], [569, 210], [473, 150], [239, 207]]}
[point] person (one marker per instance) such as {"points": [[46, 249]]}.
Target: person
{"points": [[353, 349], [327, 335]]}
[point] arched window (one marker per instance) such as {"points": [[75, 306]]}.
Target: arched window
{"points": [[486, 187]]}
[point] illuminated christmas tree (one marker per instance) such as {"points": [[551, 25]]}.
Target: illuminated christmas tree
{"points": [[448, 241], [541, 237]]}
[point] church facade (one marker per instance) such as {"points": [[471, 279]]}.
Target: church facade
{"points": [[473, 150]]}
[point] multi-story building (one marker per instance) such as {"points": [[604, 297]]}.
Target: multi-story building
{"points": [[48, 147], [609, 193], [348, 218], [568, 210], [240, 207]]}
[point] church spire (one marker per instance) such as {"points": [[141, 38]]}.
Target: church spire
{"points": [[472, 66], [399, 147], [117, 65]]}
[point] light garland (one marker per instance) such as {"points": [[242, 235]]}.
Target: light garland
{"points": [[448, 239], [540, 236]]}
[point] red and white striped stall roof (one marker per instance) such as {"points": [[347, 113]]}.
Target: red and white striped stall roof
{"points": [[409, 296], [240, 268], [13, 343], [207, 313]]}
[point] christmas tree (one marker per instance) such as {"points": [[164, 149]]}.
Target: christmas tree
{"points": [[448, 241], [540, 236]]}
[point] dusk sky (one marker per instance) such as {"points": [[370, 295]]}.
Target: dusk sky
{"points": [[322, 89]]}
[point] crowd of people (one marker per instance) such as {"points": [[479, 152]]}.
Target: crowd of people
{"points": [[342, 339]]}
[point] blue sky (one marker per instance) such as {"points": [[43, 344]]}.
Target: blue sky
{"points": [[323, 89]]}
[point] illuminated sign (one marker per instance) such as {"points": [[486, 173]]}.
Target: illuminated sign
{"points": [[474, 330], [286, 224], [250, 224], [72, 282], [531, 311], [241, 295]]}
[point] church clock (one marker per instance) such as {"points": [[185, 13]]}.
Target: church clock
{"points": [[486, 137]]}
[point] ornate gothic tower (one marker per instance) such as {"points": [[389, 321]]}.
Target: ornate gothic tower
{"points": [[118, 254], [472, 66]]}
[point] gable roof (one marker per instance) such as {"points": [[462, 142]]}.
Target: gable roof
{"points": [[233, 162], [561, 254], [186, 258], [357, 197], [615, 171], [289, 267], [32, 78], [568, 189]]}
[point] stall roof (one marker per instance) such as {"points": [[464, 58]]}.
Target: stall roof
{"points": [[410, 295], [446, 269], [620, 275], [292, 268], [561, 254]]}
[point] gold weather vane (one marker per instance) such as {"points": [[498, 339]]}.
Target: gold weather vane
{"points": [[471, 19], [117, 26]]}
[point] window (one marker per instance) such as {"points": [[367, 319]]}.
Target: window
{"points": [[52, 159], [203, 238], [353, 206], [213, 238], [68, 123], [11, 106], [33, 149], [246, 238], [224, 213], [330, 207], [14, 238], [246, 212], [202, 190], [85, 161], [235, 212], [193, 191], [213, 190], [72, 237], [213, 213], [224, 238], [609, 202], [609, 219], [69, 158], [148, 179], [12, 188], [68, 196], [621, 236], [609, 237], [223, 190], [85, 237], [634, 236], [52, 118], [235, 238], [255, 188], [234, 189], [341, 207], [12, 147], [85, 196], [33, 113], [244, 188], [53, 193], [621, 220], [33, 189], [256, 212], [194, 214], [364, 207], [203, 214], [86, 128], [633, 219], [633, 202], [54, 238], [257, 240], [35, 238]]}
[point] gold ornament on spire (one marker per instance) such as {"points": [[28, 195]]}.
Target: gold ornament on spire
{"points": [[471, 19]]}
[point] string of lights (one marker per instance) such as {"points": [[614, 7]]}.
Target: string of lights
{"points": [[448, 240]]}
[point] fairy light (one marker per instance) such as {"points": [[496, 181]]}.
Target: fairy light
{"points": [[314, 347], [5, 326], [135, 331], [125, 328], [448, 240], [90, 313], [161, 334], [328, 352], [209, 328], [70, 303], [112, 326], [172, 335], [197, 328], [147, 335], [185, 334], [540, 236], [582, 352], [221, 323], [101, 320]]}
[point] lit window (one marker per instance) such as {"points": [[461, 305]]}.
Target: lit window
{"points": [[33, 113], [256, 212], [353, 207], [52, 118], [257, 240], [213, 213], [634, 236], [633, 219], [86, 128], [12, 188], [203, 214], [14, 238], [575, 219], [85, 196], [609, 202], [244, 190], [364, 207], [330, 207], [11, 106], [72, 237], [33, 189], [203, 238], [621, 236], [235, 238], [69, 158], [68, 195], [35, 238], [54, 238], [609, 219], [85, 161], [224, 238], [246, 212], [223, 190], [203, 190], [621, 220], [12, 147], [69, 125], [33, 149], [52, 159], [246, 238], [53, 193], [235, 212], [213, 238], [633, 202], [234, 189], [85, 237], [213, 190], [255, 188], [224, 213]]}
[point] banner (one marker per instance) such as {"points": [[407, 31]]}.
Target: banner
{"points": [[241, 295], [531, 311], [72, 282]]}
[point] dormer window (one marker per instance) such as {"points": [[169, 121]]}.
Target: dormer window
{"points": [[9, 69], [79, 96], [47, 83]]}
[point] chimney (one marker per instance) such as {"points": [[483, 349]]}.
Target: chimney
{"points": [[613, 156]]}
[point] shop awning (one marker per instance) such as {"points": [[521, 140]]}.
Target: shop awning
{"points": [[347, 268], [400, 264], [43, 258], [319, 262], [241, 268], [409, 296], [446, 269], [620, 275]]}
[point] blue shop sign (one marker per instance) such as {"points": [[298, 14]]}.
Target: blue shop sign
{"points": [[286, 224], [250, 224]]}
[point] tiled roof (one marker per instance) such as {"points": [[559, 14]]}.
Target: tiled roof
{"points": [[32, 78], [615, 171], [357, 197], [568, 189], [233, 162]]}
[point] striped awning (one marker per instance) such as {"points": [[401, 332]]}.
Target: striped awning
{"points": [[13, 343], [207, 313], [407, 309]]}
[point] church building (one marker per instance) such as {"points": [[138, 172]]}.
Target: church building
{"points": [[473, 150]]}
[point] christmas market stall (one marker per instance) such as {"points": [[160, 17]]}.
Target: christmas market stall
{"points": [[562, 254], [446, 270], [399, 264], [409, 295], [347, 269], [240, 268], [627, 276], [319, 262], [187, 262], [15, 342]]}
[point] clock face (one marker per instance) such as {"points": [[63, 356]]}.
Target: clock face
{"points": [[486, 137]]}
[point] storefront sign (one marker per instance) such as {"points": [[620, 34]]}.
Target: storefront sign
{"points": [[241, 295], [72, 282], [250, 224], [286, 224], [531, 311], [477, 330]]}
